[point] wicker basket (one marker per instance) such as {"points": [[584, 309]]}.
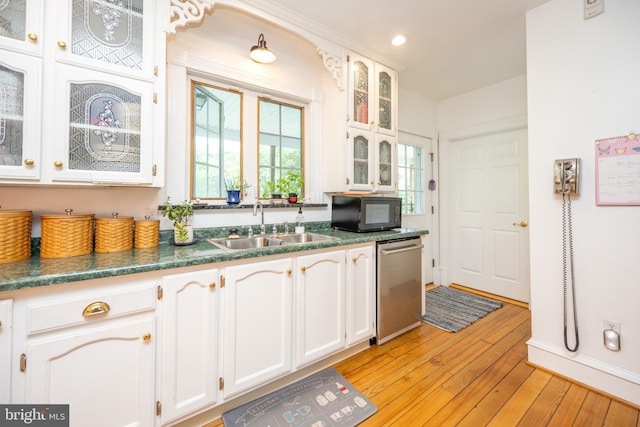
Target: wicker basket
{"points": [[66, 235], [15, 235], [114, 234], [147, 233]]}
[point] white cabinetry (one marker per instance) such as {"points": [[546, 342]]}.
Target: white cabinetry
{"points": [[189, 313], [93, 351], [372, 126], [6, 324], [96, 100], [320, 307], [360, 299], [257, 331]]}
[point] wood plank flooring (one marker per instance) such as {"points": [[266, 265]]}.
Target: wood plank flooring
{"points": [[475, 377]]}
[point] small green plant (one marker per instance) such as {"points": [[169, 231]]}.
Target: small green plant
{"points": [[180, 215], [235, 184], [291, 182]]}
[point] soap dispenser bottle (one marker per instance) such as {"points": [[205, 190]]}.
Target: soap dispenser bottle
{"points": [[300, 222]]}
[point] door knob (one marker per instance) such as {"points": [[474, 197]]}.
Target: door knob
{"points": [[522, 224]]}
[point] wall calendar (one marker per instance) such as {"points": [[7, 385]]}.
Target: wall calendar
{"points": [[618, 171]]}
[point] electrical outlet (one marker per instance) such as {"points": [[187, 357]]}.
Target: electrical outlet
{"points": [[611, 325]]}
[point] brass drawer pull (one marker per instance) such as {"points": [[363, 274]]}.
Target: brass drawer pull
{"points": [[96, 308]]}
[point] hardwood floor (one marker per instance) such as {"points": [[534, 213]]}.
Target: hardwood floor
{"points": [[475, 377]]}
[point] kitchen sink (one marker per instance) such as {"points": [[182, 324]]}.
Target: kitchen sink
{"points": [[256, 242]]}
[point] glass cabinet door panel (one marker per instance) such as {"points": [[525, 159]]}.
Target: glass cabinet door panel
{"points": [[104, 128], [13, 19], [361, 160], [109, 31], [11, 116], [361, 92], [384, 164], [385, 101], [21, 24]]}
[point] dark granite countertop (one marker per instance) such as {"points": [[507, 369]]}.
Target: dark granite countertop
{"points": [[37, 271]]}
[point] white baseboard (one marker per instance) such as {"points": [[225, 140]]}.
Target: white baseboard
{"points": [[609, 379]]}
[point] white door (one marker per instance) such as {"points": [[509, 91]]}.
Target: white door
{"points": [[490, 239]]}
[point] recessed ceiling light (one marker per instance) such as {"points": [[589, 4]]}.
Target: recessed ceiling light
{"points": [[399, 40]]}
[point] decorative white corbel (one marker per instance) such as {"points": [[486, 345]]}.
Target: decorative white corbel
{"points": [[182, 12], [333, 64]]}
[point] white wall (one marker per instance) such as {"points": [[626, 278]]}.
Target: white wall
{"points": [[583, 85]]}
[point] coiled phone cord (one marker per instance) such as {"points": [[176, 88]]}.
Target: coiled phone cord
{"points": [[568, 235]]}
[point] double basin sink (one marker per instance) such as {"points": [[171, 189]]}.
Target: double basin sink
{"points": [[263, 241]]}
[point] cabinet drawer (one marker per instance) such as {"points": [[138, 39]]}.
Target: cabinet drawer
{"points": [[73, 311]]}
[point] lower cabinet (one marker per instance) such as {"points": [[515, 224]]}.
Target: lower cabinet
{"points": [[361, 294], [319, 306], [6, 321], [188, 310], [257, 314]]}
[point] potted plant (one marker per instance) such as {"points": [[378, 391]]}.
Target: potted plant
{"points": [[290, 184], [234, 187], [294, 184], [180, 215]]}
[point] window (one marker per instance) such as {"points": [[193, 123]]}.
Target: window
{"points": [[216, 149], [280, 144], [411, 178]]}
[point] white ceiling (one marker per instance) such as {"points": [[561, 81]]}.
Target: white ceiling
{"points": [[453, 46]]}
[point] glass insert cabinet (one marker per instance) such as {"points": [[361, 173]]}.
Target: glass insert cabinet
{"points": [[373, 162], [82, 89]]}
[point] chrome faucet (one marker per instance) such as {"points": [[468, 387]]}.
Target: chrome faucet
{"points": [[255, 212]]}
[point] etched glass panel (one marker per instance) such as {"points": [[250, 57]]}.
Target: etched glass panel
{"points": [[13, 18], [384, 100], [104, 128], [384, 154], [109, 31], [361, 92], [360, 160], [11, 116]]}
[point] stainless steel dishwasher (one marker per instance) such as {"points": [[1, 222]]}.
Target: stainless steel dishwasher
{"points": [[400, 292]]}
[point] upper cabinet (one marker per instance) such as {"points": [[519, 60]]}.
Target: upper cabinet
{"points": [[372, 126], [89, 92]]}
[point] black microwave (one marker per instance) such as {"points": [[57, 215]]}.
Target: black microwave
{"points": [[362, 214]]}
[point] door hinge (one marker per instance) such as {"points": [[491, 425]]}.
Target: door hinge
{"points": [[433, 210], [155, 70], [160, 292], [348, 58], [154, 170], [23, 362], [222, 281], [155, 97], [433, 262], [158, 408], [221, 383]]}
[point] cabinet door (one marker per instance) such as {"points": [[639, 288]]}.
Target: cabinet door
{"points": [[320, 293], [110, 36], [386, 100], [106, 136], [257, 315], [361, 93], [20, 125], [6, 323], [104, 373], [189, 342], [386, 163], [21, 25], [361, 160], [361, 284]]}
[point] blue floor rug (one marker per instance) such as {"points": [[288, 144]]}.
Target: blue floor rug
{"points": [[323, 399], [452, 310]]}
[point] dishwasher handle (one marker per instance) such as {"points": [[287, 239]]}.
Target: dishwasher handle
{"points": [[405, 249]]}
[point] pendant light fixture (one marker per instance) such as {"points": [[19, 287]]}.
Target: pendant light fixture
{"points": [[260, 53]]}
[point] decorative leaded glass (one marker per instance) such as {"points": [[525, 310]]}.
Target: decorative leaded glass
{"points": [[360, 160], [384, 153], [384, 100], [11, 116], [361, 92], [109, 31], [13, 17], [104, 128]]}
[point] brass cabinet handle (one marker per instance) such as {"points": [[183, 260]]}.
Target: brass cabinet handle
{"points": [[303, 268], [29, 162], [212, 285], [522, 224], [33, 37], [288, 272], [354, 260], [96, 308], [57, 164], [61, 44], [146, 336]]}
